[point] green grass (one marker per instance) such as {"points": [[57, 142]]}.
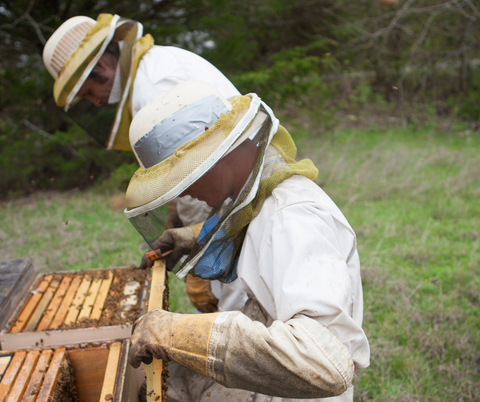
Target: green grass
{"points": [[412, 198]]}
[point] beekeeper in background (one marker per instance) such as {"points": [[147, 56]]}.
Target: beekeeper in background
{"points": [[273, 230], [105, 71]]}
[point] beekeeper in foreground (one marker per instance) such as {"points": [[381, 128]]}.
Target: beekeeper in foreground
{"points": [[273, 229]]}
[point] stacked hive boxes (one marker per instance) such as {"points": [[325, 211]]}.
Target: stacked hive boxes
{"points": [[63, 309]]}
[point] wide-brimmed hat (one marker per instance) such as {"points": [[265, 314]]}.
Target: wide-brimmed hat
{"points": [[75, 51], [64, 41], [181, 135]]}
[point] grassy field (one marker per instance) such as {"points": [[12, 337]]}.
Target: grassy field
{"points": [[412, 198]]}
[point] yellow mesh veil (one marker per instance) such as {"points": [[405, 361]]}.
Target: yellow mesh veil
{"points": [[274, 173], [120, 139]]}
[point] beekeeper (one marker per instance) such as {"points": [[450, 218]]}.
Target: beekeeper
{"points": [[105, 71], [299, 336]]}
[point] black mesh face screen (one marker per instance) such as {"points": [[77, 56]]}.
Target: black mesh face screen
{"points": [[96, 121]]}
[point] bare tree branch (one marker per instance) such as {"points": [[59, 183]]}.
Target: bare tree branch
{"points": [[27, 17], [33, 127], [21, 18], [384, 31], [353, 25], [403, 28], [424, 33], [462, 11], [41, 132], [37, 29], [475, 9]]}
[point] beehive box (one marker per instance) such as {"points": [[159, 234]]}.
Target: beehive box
{"points": [[74, 307], [16, 276], [92, 372]]}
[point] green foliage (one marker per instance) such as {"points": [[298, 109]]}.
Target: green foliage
{"points": [[361, 94], [61, 161], [294, 81], [466, 105], [327, 57], [291, 76]]}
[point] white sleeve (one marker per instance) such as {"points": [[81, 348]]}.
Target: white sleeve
{"points": [[296, 263], [299, 358]]}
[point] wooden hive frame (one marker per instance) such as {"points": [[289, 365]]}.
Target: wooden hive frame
{"points": [[60, 299], [101, 374], [156, 371]]}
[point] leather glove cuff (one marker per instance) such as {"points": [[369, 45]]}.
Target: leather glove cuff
{"points": [[190, 339], [200, 293]]}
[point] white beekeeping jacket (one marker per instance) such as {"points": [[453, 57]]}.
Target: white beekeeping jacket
{"points": [[299, 258]]}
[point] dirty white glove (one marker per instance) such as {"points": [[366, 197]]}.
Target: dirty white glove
{"points": [[297, 359], [183, 338], [180, 240]]}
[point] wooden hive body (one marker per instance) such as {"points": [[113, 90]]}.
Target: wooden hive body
{"points": [[89, 372]]}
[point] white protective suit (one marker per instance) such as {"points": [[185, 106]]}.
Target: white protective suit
{"points": [[302, 323], [159, 70]]}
